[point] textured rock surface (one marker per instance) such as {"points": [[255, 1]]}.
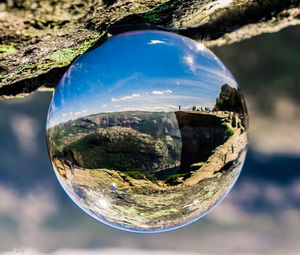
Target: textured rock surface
{"points": [[39, 39], [120, 148]]}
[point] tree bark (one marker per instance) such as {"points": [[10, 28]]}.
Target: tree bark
{"points": [[39, 39]]}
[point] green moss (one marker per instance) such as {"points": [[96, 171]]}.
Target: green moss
{"points": [[230, 132], [159, 213], [46, 89], [208, 196], [65, 56], [148, 215], [25, 68], [230, 181], [135, 174], [125, 210], [174, 179], [153, 15], [7, 49], [60, 57], [217, 175], [19, 96]]}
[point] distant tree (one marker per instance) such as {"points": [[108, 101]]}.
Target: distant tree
{"points": [[229, 100], [233, 122]]}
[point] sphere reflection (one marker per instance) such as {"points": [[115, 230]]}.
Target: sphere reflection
{"points": [[147, 132]]}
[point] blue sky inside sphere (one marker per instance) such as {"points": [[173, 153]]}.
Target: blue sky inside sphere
{"points": [[140, 71]]}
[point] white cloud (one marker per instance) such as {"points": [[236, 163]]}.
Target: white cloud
{"points": [[156, 42], [189, 60], [122, 82], [215, 74], [107, 251], [73, 113], [104, 105], [26, 130], [158, 108], [134, 95], [30, 211], [158, 92], [80, 112]]}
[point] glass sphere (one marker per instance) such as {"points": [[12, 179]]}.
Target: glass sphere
{"points": [[147, 132]]}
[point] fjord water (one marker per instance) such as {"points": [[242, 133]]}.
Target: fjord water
{"points": [[147, 132]]}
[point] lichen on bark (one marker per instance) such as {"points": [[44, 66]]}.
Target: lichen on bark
{"points": [[39, 39]]}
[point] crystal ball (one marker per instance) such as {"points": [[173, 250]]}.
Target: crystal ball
{"points": [[147, 132]]}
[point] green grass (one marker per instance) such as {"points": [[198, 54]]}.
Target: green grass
{"points": [[19, 96], [160, 213], [208, 196], [229, 131], [135, 174], [173, 179]]}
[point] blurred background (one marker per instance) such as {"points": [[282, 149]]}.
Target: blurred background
{"points": [[261, 215]]}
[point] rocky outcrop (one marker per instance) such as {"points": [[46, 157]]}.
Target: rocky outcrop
{"points": [[103, 178], [223, 158], [39, 39], [201, 133], [159, 126], [141, 203]]}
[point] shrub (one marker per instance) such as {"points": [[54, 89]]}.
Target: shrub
{"points": [[173, 179], [229, 131], [135, 174]]}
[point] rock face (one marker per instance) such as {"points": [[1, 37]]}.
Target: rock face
{"points": [[39, 39], [224, 157], [119, 148], [157, 124], [201, 134], [124, 141]]}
